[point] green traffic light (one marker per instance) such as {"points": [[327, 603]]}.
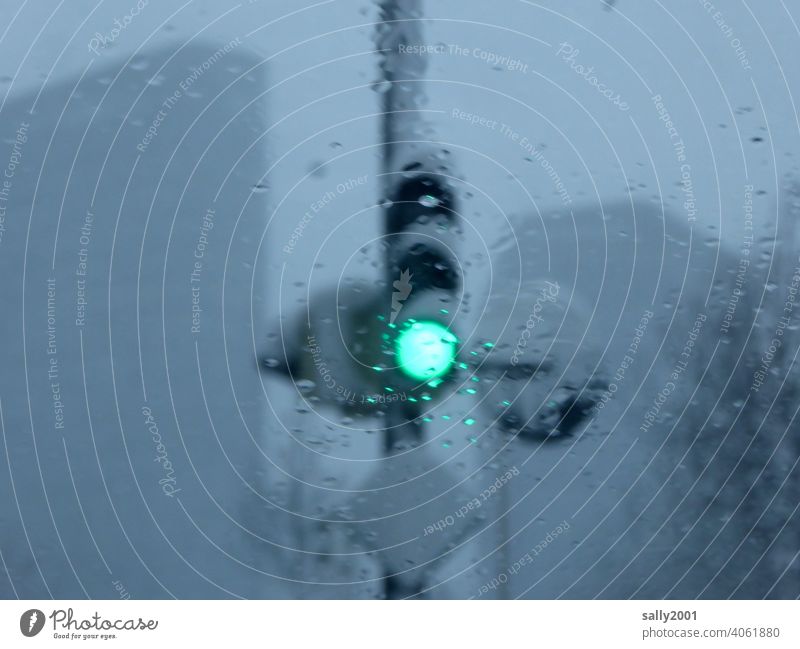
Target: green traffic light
{"points": [[425, 350]]}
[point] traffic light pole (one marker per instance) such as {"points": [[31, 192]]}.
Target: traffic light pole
{"points": [[406, 337], [402, 78]]}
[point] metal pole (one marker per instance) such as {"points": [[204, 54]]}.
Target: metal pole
{"points": [[421, 222]]}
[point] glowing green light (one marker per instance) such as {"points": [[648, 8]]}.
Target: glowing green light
{"points": [[425, 350], [469, 421]]}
